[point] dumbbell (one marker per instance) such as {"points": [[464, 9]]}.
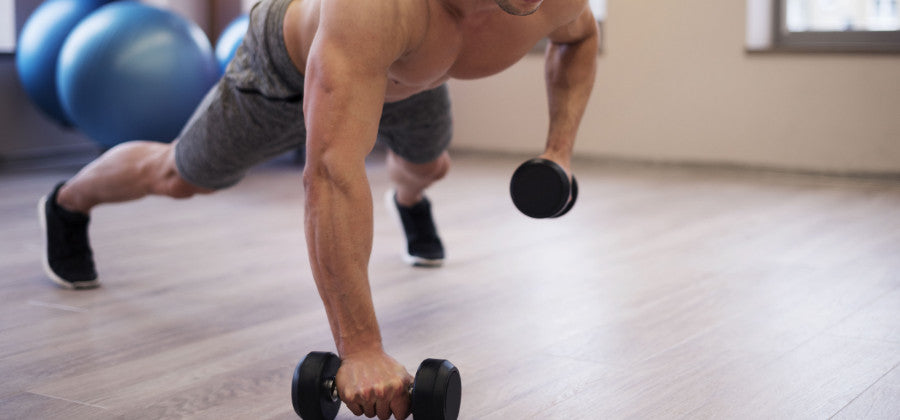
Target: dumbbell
{"points": [[540, 189], [435, 393]]}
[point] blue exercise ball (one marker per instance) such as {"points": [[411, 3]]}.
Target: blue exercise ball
{"points": [[230, 40], [38, 47], [134, 72]]}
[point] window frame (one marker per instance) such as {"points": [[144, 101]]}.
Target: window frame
{"points": [[10, 49], [829, 41]]}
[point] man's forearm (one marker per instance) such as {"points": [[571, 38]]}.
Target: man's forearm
{"points": [[339, 238], [569, 72]]}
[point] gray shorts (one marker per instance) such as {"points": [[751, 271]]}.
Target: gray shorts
{"points": [[254, 112]]}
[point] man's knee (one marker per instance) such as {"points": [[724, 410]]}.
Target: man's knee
{"points": [[441, 167], [168, 181], [434, 170], [178, 187]]}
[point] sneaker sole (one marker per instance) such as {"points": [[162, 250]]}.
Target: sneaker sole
{"points": [[45, 259], [421, 262], [407, 257]]}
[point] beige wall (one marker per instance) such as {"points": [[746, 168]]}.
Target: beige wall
{"points": [[211, 15], [676, 85]]}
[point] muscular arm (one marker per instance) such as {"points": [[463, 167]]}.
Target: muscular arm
{"points": [[346, 76], [346, 79], [571, 62], [345, 85]]}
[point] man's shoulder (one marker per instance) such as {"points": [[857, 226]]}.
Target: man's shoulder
{"points": [[562, 12], [382, 19]]}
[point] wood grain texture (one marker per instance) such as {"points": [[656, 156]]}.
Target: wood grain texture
{"points": [[666, 293]]}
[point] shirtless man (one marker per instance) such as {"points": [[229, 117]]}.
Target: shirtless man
{"points": [[360, 70]]}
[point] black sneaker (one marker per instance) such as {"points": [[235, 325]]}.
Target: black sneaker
{"points": [[423, 246], [68, 259]]}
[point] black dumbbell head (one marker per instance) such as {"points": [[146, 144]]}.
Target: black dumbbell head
{"points": [[309, 393], [572, 201], [540, 189], [437, 391]]}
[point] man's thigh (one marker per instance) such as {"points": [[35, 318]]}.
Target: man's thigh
{"points": [[419, 128], [231, 131]]}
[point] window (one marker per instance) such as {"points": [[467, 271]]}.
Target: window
{"points": [[7, 26], [841, 15], [824, 25], [599, 8]]}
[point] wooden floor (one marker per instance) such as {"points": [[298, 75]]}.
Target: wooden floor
{"points": [[666, 293]]}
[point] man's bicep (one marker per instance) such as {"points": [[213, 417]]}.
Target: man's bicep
{"points": [[342, 105], [346, 76]]}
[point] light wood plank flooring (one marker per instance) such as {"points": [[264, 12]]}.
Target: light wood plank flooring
{"points": [[666, 293]]}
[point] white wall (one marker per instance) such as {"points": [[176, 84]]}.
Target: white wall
{"points": [[676, 85]]}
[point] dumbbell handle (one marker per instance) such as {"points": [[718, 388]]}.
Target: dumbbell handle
{"points": [[434, 394], [331, 386]]}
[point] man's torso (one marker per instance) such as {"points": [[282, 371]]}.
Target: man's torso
{"points": [[447, 45]]}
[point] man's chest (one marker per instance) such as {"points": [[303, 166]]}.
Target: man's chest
{"points": [[461, 51]]}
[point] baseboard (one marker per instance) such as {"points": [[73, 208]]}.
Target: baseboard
{"points": [[49, 157]]}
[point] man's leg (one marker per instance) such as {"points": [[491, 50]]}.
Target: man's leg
{"points": [[252, 114], [126, 172], [408, 202], [417, 130], [411, 179]]}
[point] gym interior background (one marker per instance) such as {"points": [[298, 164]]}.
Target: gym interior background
{"points": [[676, 83], [754, 189]]}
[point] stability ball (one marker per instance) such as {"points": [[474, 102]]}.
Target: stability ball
{"points": [[134, 72], [230, 40], [38, 47]]}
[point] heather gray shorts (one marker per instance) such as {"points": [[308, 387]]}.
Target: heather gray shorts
{"points": [[254, 112]]}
